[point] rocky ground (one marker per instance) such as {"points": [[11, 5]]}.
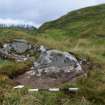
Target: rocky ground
{"points": [[52, 67]]}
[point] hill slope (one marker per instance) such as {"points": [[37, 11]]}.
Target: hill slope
{"points": [[85, 22], [9, 33], [80, 31]]}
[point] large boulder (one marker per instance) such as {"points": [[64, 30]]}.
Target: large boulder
{"points": [[55, 61]]}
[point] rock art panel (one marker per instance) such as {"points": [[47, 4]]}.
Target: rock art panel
{"points": [[55, 61]]}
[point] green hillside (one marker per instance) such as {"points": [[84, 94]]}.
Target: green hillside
{"points": [[8, 34], [86, 22], [81, 32]]}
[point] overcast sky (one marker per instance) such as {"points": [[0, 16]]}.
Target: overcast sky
{"points": [[36, 12]]}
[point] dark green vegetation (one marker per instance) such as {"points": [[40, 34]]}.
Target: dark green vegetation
{"points": [[81, 32]]}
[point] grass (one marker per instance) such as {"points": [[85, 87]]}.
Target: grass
{"points": [[22, 97], [7, 35], [12, 69]]}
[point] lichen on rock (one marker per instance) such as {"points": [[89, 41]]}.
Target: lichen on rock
{"points": [[49, 61], [55, 61]]}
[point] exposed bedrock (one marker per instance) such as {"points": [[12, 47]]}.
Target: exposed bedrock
{"points": [[50, 62], [55, 61]]}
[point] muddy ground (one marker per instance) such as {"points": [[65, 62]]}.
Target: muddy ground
{"points": [[45, 81]]}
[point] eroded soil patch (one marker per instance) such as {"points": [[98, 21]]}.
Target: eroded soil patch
{"points": [[44, 81]]}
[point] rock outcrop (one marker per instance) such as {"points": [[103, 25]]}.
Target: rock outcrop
{"points": [[19, 50], [49, 62], [18, 46], [55, 61]]}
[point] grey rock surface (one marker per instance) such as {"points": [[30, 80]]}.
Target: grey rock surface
{"points": [[49, 61], [17, 50], [20, 46], [55, 61]]}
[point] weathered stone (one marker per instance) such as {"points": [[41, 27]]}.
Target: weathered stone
{"points": [[54, 61], [4, 55], [50, 61], [17, 50], [20, 46]]}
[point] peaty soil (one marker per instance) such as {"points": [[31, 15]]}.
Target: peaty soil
{"points": [[45, 81]]}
